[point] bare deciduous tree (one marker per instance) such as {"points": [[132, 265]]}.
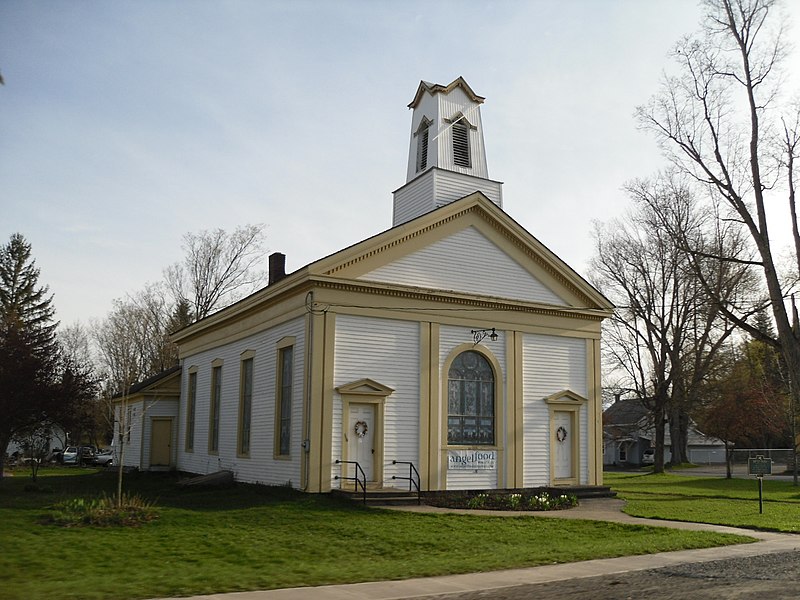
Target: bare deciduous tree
{"points": [[666, 332], [720, 122], [218, 268], [133, 345]]}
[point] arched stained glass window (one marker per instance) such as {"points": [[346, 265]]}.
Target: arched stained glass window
{"points": [[470, 400]]}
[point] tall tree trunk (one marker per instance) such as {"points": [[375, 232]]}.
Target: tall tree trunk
{"points": [[4, 440], [658, 459], [729, 460]]}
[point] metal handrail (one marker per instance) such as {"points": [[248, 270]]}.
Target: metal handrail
{"points": [[355, 479], [412, 470]]}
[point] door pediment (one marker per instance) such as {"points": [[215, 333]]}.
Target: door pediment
{"points": [[365, 387]]}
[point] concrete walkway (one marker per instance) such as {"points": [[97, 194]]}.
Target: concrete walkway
{"points": [[602, 509]]}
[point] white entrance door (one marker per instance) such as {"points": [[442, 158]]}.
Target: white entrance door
{"points": [[360, 435], [562, 422]]}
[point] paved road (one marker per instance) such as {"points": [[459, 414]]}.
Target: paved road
{"points": [[770, 576]]}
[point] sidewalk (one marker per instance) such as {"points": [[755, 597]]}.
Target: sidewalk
{"points": [[602, 509]]}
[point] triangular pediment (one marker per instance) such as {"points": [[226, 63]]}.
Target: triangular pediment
{"points": [[461, 235], [565, 397], [365, 387], [468, 247]]}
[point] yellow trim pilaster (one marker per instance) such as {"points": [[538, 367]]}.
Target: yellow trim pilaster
{"points": [[326, 439], [595, 414], [515, 387], [434, 412], [315, 367], [424, 403]]}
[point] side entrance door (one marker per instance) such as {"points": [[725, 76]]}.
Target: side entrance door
{"points": [[361, 435], [562, 438], [161, 443]]}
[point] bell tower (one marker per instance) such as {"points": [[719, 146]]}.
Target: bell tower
{"points": [[447, 157]]}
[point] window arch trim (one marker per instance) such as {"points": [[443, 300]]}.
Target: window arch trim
{"points": [[499, 395]]}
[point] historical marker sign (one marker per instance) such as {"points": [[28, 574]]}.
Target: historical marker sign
{"points": [[759, 466]]}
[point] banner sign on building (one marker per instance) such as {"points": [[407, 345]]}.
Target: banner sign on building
{"points": [[471, 460]]}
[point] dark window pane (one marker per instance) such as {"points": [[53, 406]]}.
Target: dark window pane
{"points": [[470, 395]]}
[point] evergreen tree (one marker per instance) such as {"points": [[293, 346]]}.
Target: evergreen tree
{"points": [[21, 297], [35, 386]]}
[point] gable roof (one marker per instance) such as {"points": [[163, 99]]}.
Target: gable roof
{"points": [[343, 268], [158, 382], [625, 411]]}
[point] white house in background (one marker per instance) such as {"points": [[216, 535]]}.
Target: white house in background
{"points": [[629, 432], [146, 422], [455, 341]]}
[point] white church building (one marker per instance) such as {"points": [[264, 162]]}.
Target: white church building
{"points": [[454, 341]]}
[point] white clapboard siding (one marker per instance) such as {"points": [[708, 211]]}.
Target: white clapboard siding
{"points": [[428, 108], [449, 106], [386, 351], [261, 466], [480, 480], [450, 338], [550, 364], [154, 407], [466, 261], [414, 199], [451, 186], [132, 434], [437, 187]]}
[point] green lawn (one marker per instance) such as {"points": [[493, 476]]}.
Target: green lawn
{"points": [[715, 500], [253, 537]]}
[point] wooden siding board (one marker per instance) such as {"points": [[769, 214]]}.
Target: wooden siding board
{"points": [[550, 364], [261, 466], [466, 261], [414, 199], [386, 351], [133, 448], [453, 186]]}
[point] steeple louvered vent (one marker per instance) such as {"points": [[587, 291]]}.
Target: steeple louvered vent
{"points": [[422, 149], [461, 145]]}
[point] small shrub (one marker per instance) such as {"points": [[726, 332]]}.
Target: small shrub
{"points": [[514, 501], [506, 501], [38, 488], [103, 512], [478, 502]]}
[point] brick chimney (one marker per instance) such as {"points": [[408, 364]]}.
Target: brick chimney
{"points": [[277, 267]]}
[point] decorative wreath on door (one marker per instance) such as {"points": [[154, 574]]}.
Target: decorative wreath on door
{"points": [[561, 434], [361, 428]]}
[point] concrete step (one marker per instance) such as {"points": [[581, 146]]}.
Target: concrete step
{"points": [[380, 497]]}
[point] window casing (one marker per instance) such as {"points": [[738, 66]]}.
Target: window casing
{"points": [[461, 154], [191, 403], [283, 420], [471, 401], [245, 406], [214, 413]]}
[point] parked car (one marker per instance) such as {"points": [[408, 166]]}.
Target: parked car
{"points": [[87, 455], [55, 455], [104, 458], [70, 456], [649, 456]]}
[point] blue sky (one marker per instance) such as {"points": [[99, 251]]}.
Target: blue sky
{"points": [[125, 124]]}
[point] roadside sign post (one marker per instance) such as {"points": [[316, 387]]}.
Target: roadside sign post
{"points": [[760, 466]]}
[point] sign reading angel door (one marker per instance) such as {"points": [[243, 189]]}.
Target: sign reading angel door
{"points": [[563, 442], [361, 435]]}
